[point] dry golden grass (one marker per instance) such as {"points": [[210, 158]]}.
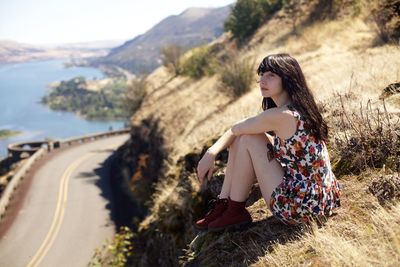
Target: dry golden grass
{"points": [[336, 57], [361, 233], [369, 235]]}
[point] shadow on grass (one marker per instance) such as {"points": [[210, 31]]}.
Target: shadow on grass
{"points": [[240, 248]]}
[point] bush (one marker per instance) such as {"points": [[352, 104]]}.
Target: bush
{"points": [[115, 252], [387, 18], [134, 95], [386, 188], [171, 58], [202, 62], [237, 77], [247, 15], [369, 139], [333, 9], [294, 10]]}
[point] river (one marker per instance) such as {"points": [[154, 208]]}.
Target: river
{"points": [[22, 86]]}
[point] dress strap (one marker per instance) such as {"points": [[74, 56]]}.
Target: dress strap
{"points": [[296, 114], [294, 111]]}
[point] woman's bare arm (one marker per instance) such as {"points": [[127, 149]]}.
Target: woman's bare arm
{"points": [[206, 164], [268, 120], [223, 142]]}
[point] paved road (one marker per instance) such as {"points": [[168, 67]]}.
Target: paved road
{"points": [[66, 213]]}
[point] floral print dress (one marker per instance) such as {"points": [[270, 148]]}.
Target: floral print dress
{"points": [[309, 188]]}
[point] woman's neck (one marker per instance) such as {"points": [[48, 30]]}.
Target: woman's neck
{"points": [[282, 100]]}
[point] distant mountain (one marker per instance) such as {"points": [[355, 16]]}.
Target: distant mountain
{"points": [[90, 44], [11, 51], [193, 27]]}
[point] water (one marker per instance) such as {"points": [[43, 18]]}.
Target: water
{"points": [[22, 86]]}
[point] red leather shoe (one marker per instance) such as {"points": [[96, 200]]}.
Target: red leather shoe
{"points": [[236, 217], [218, 206]]}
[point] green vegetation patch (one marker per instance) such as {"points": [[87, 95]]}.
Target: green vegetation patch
{"points": [[247, 15], [111, 102], [237, 77], [5, 133], [202, 62]]}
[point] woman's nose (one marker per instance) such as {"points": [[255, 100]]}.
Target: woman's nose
{"points": [[262, 81]]}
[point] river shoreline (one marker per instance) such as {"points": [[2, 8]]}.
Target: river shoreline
{"points": [[6, 133], [22, 85]]}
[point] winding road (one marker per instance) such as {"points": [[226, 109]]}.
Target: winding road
{"points": [[64, 212]]}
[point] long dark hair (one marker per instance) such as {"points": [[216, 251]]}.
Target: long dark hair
{"points": [[295, 84]]}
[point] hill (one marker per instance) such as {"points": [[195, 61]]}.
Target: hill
{"points": [[347, 67], [193, 27], [11, 51]]}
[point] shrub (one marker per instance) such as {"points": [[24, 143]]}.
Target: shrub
{"points": [[386, 188], [171, 58], [294, 10], [387, 18], [115, 252], [369, 139], [202, 62], [333, 9], [134, 95], [237, 77], [247, 15]]}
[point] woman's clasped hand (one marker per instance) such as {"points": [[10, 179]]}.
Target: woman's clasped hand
{"points": [[206, 166]]}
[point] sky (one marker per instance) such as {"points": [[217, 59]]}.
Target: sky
{"points": [[49, 22]]}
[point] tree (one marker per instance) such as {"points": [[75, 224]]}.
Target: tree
{"points": [[294, 11], [171, 57], [134, 95], [386, 15], [200, 63], [247, 15]]}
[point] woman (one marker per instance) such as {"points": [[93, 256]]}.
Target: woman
{"points": [[283, 149]]}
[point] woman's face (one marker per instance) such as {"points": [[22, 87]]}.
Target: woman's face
{"points": [[270, 84]]}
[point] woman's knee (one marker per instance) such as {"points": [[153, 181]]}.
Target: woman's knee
{"points": [[248, 139], [235, 143]]}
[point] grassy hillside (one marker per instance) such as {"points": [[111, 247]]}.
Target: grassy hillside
{"points": [[347, 67]]}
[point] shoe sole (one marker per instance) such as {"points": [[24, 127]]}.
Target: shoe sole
{"points": [[235, 227]]}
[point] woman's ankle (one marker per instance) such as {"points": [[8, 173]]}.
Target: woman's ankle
{"points": [[221, 196]]}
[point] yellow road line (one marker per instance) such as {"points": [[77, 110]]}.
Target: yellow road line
{"points": [[59, 214]]}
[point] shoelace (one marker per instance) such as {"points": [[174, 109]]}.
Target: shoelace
{"points": [[213, 202]]}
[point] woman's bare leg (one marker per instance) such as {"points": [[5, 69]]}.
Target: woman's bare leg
{"points": [[246, 169], [240, 172], [251, 157]]}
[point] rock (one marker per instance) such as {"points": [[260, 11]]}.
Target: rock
{"points": [[385, 188], [391, 89]]}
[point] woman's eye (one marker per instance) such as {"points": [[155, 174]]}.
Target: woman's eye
{"points": [[266, 75]]}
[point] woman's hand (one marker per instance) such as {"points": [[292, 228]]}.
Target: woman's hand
{"points": [[206, 164]]}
